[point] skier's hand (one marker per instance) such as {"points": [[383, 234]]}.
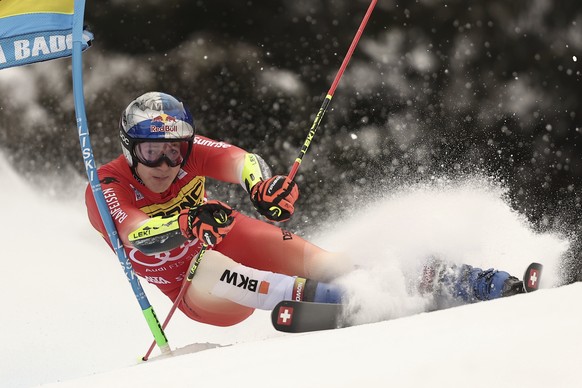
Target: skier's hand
{"points": [[209, 222], [275, 197]]}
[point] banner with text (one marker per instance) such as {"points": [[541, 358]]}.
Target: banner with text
{"points": [[36, 30]]}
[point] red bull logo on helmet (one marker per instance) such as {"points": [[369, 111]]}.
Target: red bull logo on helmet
{"points": [[164, 123]]}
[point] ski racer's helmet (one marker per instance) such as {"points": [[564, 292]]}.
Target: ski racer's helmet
{"points": [[152, 118]]}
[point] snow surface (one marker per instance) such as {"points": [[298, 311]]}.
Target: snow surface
{"points": [[69, 317]]}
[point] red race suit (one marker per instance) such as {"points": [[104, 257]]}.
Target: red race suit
{"points": [[251, 242]]}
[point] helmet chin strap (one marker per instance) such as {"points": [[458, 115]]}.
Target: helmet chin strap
{"points": [[135, 174]]}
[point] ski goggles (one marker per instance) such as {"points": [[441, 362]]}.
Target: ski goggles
{"points": [[154, 153]]}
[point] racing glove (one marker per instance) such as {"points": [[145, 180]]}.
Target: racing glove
{"points": [[209, 222], [275, 197]]}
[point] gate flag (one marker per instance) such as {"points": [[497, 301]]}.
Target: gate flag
{"points": [[40, 30], [36, 30]]}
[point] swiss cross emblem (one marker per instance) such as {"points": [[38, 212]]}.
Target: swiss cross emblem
{"points": [[285, 316], [533, 279]]}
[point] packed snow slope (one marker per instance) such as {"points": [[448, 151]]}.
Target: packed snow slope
{"points": [[526, 341], [70, 318]]}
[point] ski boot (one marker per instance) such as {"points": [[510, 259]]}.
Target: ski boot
{"points": [[466, 283]]}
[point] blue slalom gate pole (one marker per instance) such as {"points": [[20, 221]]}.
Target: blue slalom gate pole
{"points": [[90, 167]]}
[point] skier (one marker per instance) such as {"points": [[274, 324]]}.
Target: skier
{"points": [[155, 192]]}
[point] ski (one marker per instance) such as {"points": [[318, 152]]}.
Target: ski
{"points": [[291, 316], [299, 317], [532, 277]]}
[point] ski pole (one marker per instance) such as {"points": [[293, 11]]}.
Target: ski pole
{"points": [[185, 286], [331, 91]]}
